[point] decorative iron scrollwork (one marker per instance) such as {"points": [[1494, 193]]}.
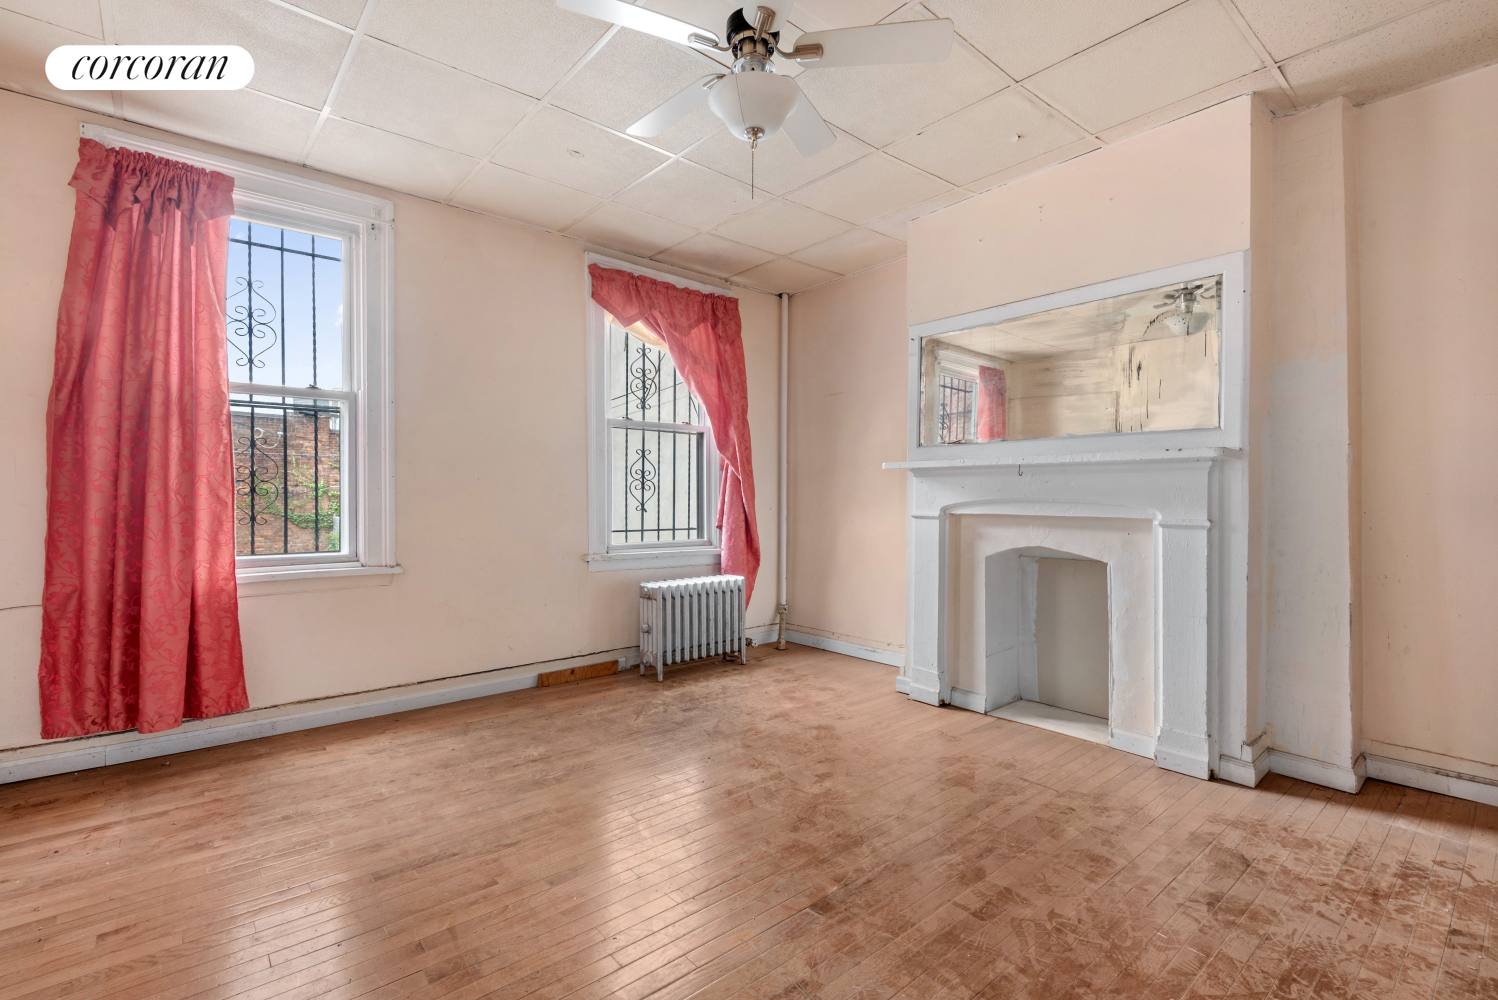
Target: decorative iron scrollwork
{"points": [[644, 377], [257, 475], [251, 322], [642, 476]]}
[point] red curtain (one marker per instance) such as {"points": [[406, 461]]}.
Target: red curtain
{"points": [[140, 614], [992, 398], [703, 335]]}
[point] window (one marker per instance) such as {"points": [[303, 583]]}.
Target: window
{"points": [[307, 310], [289, 408], [654, 475], [955, 419], [658, 446]]}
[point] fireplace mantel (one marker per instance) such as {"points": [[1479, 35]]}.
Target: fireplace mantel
{"points": [[1190, 485], [1085, 458]]}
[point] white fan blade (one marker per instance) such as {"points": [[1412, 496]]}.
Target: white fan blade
{"points": [[674, 110], [901, 42], [806, 129], [640, 19]]}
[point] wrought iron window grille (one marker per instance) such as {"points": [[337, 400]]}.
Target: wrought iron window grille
{"points": [[955, 411], [290, 453], [659, 445]]}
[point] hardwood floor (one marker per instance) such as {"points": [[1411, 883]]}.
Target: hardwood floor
{"points": [[791, 828]]}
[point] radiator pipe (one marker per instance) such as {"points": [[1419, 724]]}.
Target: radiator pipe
{"points": [[781, 608]]}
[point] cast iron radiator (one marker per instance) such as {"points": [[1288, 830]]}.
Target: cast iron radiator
{"points": [[690, 619]]}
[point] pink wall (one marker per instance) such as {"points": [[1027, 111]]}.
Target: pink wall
{"points": [[1428, 176], [847, 418], [1178, 192], [491, 452]]}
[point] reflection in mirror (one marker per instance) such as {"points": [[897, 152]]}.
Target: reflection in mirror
{"points": [[1143, 361]]}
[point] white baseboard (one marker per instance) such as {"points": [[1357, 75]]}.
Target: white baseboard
{"points": [[1319, 772], [24, 763], [1134, 743], [1431, 779], [1241, 772], [902, 684], [885, 656], [970, 700]]}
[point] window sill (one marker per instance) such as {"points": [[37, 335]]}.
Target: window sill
{"points": [[653, 559], [262, 580]]}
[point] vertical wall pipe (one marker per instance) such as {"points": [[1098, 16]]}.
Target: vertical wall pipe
{"points": [[785, 367]]}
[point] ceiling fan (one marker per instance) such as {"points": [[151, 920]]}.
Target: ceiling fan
{"points": [[751, 98]]}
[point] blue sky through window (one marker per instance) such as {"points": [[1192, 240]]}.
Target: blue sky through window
{"points": [[285, 307]]}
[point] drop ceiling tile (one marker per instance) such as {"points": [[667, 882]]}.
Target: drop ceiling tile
{"points": [[880, 104], [1260, 82], [852, 251], [784, 275], [1024, 38], [1184, 51], [713, 255], [1046, 159], [413, 96], [296, 58], [513, 195], [566, 149], [368, 154], [781, 227], [778, 167], [345, 12], [242, 119], [623, 228], [629, 77], [81, 16], [824, 15], [1436, 42], [895, 225], [869, 189], [688, 194], [997, 132], [526, 45], [1288, 27], [24, 44], [709, 14]]}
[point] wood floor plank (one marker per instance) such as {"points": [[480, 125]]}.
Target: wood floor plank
{"points": [[790, 828]]}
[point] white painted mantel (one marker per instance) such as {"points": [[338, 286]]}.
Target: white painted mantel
{"points": [[1175, 490], [1189, 485]]}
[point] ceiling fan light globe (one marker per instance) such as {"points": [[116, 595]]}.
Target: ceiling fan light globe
{"points": [[753, 100]]}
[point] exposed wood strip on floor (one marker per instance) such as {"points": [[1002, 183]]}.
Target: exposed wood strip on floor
{"points": [[788, 829]]}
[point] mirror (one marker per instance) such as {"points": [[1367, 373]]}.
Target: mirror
{"points": [[1142, 361]]}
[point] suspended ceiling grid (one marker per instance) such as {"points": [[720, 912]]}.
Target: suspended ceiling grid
{"points": [[517, 108]]}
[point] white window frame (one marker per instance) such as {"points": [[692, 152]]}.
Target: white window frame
{"points": [[603, 553], [365, 225]]}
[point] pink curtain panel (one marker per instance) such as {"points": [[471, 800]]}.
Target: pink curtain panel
{"points": [[704, 337], [140, 615], [992, 400]]}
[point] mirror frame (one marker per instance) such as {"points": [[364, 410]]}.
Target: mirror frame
{"points": [[1232, 367]]}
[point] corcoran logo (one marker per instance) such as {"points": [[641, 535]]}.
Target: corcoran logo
{"points": [[149, 67]]}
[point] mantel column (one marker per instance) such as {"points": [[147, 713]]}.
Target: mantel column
{"points": [[926, 596], [1182, 647]]}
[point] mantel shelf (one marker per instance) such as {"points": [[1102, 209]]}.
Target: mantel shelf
{"points": [[1089, 458]]}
